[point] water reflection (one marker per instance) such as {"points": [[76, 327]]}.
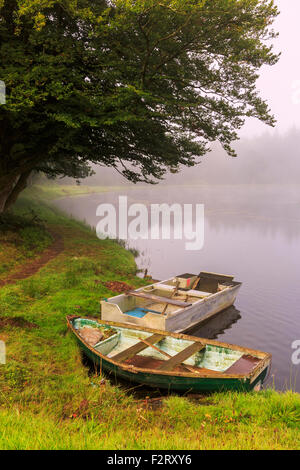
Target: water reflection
{"points": [[217, 326]]}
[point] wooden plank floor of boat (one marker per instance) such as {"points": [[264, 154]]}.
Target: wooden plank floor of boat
{"points": [[182, 356], [136, 348], [244, 365], [148, 362]]}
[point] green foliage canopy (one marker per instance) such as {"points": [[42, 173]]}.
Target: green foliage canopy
{"points": [[142, 86]]}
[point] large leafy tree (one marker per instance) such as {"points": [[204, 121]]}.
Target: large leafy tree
{"points": [[139, 85]]}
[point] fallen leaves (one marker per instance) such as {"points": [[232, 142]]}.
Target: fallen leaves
{"points": [[118, 286]]}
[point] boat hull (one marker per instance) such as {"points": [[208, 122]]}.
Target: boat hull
{"points": [[197, 314], [175, 381]]}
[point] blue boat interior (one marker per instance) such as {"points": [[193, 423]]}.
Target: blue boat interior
{"points": [[140, 312]]}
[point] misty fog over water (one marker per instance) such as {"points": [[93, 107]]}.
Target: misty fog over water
{"points": [[271, 158]]}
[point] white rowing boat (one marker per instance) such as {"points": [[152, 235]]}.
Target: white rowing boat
{"points": [[177, 304]]}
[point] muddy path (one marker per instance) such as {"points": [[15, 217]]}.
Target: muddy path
{"points": [[32, 267]]}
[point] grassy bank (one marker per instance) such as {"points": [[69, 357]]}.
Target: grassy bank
{"points": [[48, 191], [50, 398]]}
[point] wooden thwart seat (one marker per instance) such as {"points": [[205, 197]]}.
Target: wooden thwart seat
{"points": [[181, 356], [136, 348], [157, 298], [184, 366]]}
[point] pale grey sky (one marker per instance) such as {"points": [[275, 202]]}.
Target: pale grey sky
{"points": [[280, 84]]}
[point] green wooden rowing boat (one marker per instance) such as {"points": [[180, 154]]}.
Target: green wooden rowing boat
{"points": [[169, 360]]}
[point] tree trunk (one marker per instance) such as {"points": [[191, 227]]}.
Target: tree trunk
{"points": [[5, 190], [11, 190]]}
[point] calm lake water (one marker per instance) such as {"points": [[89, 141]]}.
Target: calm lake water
{"points": [[252, 232]]}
